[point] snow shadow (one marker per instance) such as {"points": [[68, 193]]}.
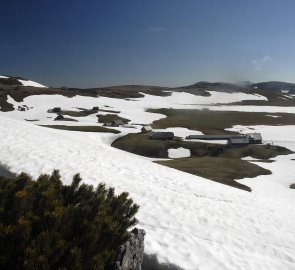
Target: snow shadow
{"points": [[150, 262]]}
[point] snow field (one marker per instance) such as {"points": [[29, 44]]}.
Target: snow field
{"points": [[191, 222], [134, 109], [31, 83]]}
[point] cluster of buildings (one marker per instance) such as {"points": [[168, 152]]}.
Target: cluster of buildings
{"points": [[233, 140]]}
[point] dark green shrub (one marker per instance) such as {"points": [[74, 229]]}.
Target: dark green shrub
{"points": [[47, 225]]}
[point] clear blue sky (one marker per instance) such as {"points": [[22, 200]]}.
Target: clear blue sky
{"points": [[88, 43]]}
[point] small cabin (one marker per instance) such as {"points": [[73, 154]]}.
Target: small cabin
{"points": [[59, 117], [56, 109], [254, 138], [96, 109], [146, 129], [162, 136]]}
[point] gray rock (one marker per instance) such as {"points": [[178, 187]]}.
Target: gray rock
{"points": [[130, 255], [292, 186]]}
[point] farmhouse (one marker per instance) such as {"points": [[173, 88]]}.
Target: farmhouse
{"points": [[162, 136], [254, 138], [233, 140], [146, 129], [241, 141]]}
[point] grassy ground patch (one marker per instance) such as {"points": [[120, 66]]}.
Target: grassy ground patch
{"points": [[214, 122], [83, 128], [110, 118], [81, 113], [222, 170], [213, 161]]}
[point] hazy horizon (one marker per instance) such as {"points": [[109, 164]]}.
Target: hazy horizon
{"points": [[166, 43]]}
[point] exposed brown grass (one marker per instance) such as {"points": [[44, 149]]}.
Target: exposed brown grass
{"points": [[213, 161], [222, 170], [214, 122]]}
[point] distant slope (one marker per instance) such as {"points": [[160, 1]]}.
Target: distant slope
{"points": [[276, 86], [7, 80]]}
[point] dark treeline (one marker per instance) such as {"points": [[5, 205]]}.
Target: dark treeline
{"points": [[47, 225]]}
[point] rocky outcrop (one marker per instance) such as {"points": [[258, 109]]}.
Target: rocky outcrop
{"points": [[130, 255], [292, 186]]}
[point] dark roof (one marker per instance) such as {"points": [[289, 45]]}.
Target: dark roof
{"points": [[241, 140], [59, 117], [213, 137], [162, 135], [56, 109]]}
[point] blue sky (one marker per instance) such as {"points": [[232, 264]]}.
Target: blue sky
{"points": [[93, 43]]}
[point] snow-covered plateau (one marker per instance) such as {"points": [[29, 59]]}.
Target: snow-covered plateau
{"points": [[190, 221]]}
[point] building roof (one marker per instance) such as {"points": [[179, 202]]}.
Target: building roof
{"points": [[162, 135], [255, 136], [213, 137], [241, 140]]}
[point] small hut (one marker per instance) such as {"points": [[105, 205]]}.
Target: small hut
{"points": [[162, 136], [146, 129], [254, 138], [95, 109], [56, 109], [59, 117]]}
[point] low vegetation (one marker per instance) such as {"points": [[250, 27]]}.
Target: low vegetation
{"points": [[83, 128], [222, 170], [213, 161], [141, 144], [47, 225], [110, 118], [81, 113], [214, 122]]}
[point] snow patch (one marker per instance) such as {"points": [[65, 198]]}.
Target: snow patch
{"points": [[276, 185], [179, 152], [31, 83], [274, 116]]}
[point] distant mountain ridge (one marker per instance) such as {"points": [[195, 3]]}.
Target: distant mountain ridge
{"points": [[200, 86], [275, 86]]}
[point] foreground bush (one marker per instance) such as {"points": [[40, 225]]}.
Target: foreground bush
{"points": [[47, 225]]}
